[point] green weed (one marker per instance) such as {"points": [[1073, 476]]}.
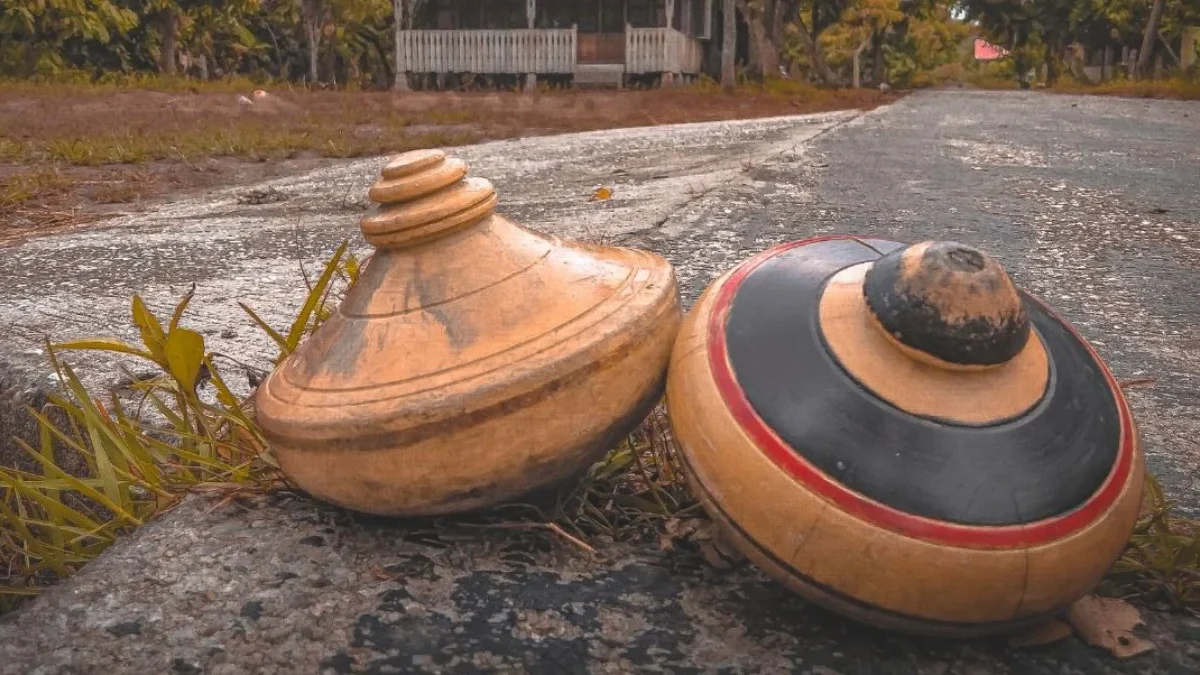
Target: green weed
{"points": [[1162, 561], [185, 431], [29, 185]]}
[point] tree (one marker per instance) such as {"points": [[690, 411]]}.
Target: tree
{"points": [[313, 15], [1148, 42], [862, 24], [38, 37], [405, 14], [728, 44], [822, 15], [764, 51]]}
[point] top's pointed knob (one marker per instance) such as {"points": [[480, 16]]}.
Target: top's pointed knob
{"points": [[947, 304], [425, 194]]}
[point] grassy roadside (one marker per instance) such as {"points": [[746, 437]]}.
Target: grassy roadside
{"points": [[1175, 89], [1178, 89], [69, 151]]}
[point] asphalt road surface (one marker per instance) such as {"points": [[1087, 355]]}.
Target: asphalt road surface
{"points": [[1091, 203]]}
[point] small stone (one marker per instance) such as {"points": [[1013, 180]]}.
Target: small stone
{"points": [[126, 628], [315, 540], [277, 634], [228, 334]]}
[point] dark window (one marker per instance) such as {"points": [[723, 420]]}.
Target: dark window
{"points": [[641, 13], [612, 13]]}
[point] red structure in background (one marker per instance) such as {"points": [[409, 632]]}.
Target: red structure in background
{"points": [[986, 51]]}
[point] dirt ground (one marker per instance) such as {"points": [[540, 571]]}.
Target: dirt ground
{"points": [[73, 155]]}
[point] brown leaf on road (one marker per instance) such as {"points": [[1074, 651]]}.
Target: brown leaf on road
{"points": [[601, 193], [1108, 623]]}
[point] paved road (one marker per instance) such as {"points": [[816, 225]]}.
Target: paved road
{"points": [[1092, 203]]}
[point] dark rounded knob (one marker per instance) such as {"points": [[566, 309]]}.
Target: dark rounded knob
{"points": [[948, 301]]}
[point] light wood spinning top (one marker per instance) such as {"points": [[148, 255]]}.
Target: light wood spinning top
{"points": [[474, 361], [898, 433]]}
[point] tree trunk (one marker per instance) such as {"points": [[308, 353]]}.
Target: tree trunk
{"points": [[1053, 65], [169, 24], [728, 44], [1147, 51], [400, 83], [766, 55], [311, 11], [383, 58], [855, 82], [877, 65], [815, 56]]}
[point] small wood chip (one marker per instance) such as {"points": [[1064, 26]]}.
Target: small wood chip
{"points": [[1136, 382]]}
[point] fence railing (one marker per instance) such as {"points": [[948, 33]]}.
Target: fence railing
{"points": [[489, 51], [661, 50]]}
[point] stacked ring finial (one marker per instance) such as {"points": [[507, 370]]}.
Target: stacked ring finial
{"points": [[898, 434], [474, 361], [424, 194]]}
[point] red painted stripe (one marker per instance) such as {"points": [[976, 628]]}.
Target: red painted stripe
{"points": [[851, 502]]}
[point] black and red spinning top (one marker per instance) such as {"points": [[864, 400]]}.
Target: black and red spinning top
{"points": [[900, 434]]}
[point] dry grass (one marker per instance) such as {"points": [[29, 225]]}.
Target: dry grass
{"points": [[122, 126], [69, 147], [1177, 88]]}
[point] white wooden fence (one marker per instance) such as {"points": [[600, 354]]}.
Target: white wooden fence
{"points": [[661, 50], [489, 51]]}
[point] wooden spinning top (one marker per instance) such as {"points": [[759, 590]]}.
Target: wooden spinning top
{"points": [[900, 434], [474, 360]]}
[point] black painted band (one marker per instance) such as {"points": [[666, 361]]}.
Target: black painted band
{"points": [[1040, 465]]}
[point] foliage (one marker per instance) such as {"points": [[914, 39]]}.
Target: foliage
{"points": [[184, 430], [41, 36], [1048, 31], [1162, 561]]}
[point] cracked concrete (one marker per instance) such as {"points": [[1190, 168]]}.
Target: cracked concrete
{"points": [[80, 284], [1091, 203]]}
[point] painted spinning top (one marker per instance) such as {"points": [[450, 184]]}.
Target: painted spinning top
{"points": [[474, 361], [901, 435]]}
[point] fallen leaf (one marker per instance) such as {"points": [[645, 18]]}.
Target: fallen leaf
{"points": [[1108, 623], [601, 194], [1041, 634]]}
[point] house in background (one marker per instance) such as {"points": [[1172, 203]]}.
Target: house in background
{"points": [[583, 42]]}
